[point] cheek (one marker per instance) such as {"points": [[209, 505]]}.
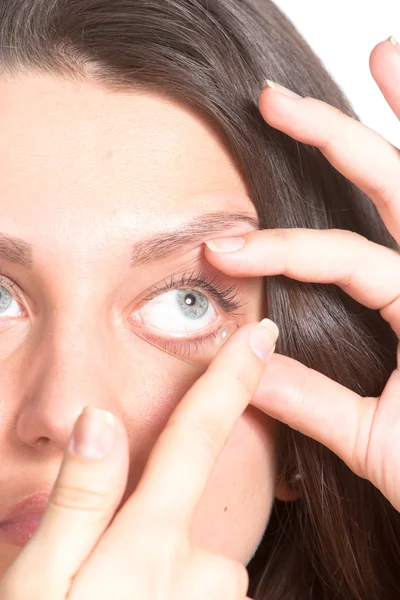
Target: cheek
{"points": [[237, 500], [149, 404], [235, 508]]}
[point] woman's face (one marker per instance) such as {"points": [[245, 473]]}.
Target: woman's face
{"points": [[89, 180]]}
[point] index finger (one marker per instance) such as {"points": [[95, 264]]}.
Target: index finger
{"points": [[185, 453], [358, 152]]}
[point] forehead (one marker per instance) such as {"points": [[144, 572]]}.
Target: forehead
{"points": [[74, 152]]}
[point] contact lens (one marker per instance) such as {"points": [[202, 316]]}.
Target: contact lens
{"points": [[197, 352], [225, 333]]}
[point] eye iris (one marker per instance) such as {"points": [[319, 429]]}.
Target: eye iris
{"points": [[193, 304], [5, 298]]}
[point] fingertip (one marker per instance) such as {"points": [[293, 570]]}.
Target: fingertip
{"points": [[262, 338], [381, 52], [220, 260]]}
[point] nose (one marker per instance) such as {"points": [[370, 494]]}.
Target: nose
{"points": [[68, 365]]}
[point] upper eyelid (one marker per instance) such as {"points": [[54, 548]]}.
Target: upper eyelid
{"points": [[197, 280]]}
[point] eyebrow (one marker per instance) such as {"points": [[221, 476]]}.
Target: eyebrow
{"points": [[166, 244], [16, 250], [157, 246]]}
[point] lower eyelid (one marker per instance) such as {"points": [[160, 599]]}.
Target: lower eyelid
{"points": [[176, 346]]}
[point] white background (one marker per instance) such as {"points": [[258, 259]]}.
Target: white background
{"points": [[343, 34]]}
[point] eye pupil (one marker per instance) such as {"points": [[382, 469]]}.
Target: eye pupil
{"points": [[193, 304], [190, 299]]}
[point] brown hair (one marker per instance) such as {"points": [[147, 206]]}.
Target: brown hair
{"points": [[340, 540]]}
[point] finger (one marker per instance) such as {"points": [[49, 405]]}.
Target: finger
{"points": [[185, 453], [368, 272], [318, 407], [81, 505], [213, 576], [355, 150], [384, 64]]}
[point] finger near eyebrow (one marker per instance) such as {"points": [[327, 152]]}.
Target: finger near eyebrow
{"points": [[186, 451], [367, 271], [358, 152]]}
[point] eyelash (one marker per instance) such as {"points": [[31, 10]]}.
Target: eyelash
{"points": [[224, 295]]}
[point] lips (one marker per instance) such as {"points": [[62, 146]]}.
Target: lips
{"points": [[23, 518], [28, 508]]}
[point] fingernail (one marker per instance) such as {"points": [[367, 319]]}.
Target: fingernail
{"points": [[94, 433], [228, 244], [394, 42], [280, 88], [262, 339]]}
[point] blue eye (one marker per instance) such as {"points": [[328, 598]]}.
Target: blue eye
{"points": [[6, 304], [181, 320], [193, 304], [177, 313], [5, 298]]}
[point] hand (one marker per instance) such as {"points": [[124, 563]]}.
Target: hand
{"points": [[364, 432], [146, 552]]}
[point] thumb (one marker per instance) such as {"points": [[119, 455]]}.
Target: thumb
{"points": [[89, 487]]}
